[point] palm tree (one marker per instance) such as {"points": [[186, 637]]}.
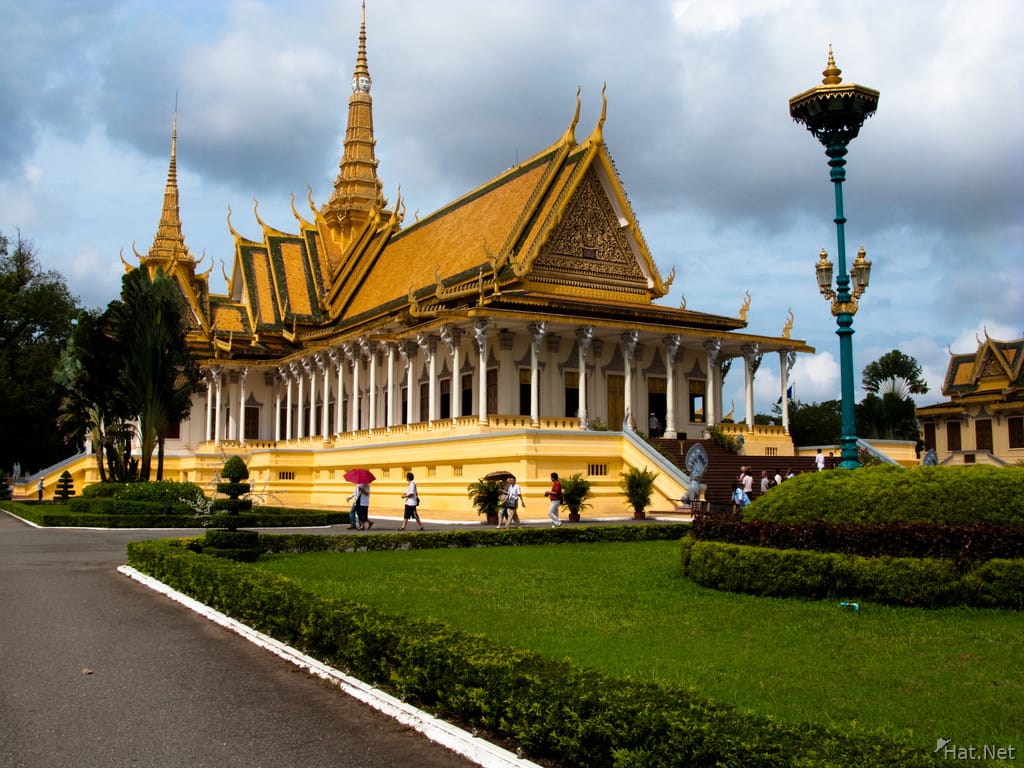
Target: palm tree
{"points": [[638, 487], [93, 405], [486, 497], [896, 373], [575, 492], [159, 374]]}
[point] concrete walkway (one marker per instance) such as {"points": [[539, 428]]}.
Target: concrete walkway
{"points": [[96, 671]]}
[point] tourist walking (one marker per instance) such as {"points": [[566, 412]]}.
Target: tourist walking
{"points": [[361, 505], [740, 498], [412, 502], [513, 498], [819, 460], [554, 495]]}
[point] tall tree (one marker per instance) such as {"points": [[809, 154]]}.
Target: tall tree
{"points": [[36, 312], [894, 372], [815, 423], [888, 411], [94, 405], [159, 374]]}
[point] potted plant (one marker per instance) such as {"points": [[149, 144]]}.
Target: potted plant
{"points": [[638, 487], [575, 492], [486, 497]]}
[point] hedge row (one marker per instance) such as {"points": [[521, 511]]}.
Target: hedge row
{"points": [[907, 581], [476, 537], [108, 513], [552, 710], [965, 544], [941, 495]]}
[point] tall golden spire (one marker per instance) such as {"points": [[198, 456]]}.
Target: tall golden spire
{"points": [[357, 190], [169, 242]]}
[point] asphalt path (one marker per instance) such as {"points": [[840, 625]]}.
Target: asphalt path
{"points": [[97, 671]]}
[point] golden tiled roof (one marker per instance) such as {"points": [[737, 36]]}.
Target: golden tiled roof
{"points": [[455, 240]]}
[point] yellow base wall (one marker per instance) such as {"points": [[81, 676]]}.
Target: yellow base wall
{"points": [[310, 473]]}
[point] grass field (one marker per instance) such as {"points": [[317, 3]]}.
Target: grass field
{"points": [[625, 609]]}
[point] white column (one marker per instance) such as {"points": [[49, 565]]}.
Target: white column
{"points": [[325, 422], [371, 355], [480, 334], [629, 342], [217, 419], [288, 413], [751, 359], [786, 360], [671, 350], [338, 359], [277, 404], [429, 346], [312, 371], [352, 351], [242, 374], [393, 387], [711, 393], [584, 336], [209, 404], [537, 330], [300, 432], [407, 351]]}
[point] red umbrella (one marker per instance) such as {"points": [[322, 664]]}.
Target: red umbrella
{"points": [[359, 476]]}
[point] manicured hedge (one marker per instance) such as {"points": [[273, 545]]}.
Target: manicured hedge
{"points": [[945, 495], [966, 544], [300, 542], [163, 491], [552, 710], [109, 513], [907, 581]]}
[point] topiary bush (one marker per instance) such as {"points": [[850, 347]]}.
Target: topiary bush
{"points": [[228, 512], [65, 487]]}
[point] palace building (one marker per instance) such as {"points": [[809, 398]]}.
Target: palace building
{"points": [[516, 328], [982, 422]]}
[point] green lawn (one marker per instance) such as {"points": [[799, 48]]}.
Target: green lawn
{"points": [[626, 610]]}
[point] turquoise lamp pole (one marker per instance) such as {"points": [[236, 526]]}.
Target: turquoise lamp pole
{"points": [[834, 112]]}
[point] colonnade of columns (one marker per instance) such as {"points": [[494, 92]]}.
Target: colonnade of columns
{"points": [[332, 378]]}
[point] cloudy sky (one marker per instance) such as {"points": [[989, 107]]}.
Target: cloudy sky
{"points": [[727, 189]]}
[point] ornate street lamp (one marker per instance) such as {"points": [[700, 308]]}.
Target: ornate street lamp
{"points": [[834, 112]]}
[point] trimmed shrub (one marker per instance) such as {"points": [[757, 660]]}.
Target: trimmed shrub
{"points": [[65, 487], [907, 581], [946, 495]]}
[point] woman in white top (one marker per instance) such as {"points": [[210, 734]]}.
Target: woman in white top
{"points": [[513, 498]]}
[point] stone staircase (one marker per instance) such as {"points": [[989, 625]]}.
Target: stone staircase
{"points": [[724, 467]]}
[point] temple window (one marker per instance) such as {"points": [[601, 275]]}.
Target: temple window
{"points": [[524, 391], [983, 434], [952, 435], [697, 400], [571, 381], [1015, 426]]}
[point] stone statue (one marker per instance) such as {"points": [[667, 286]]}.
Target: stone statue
{"points": [[696, 465]]}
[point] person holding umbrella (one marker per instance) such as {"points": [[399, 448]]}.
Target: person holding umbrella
{"points": [[362, 478], [412, 501]]}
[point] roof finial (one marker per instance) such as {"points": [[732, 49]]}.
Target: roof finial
{"points": [[570, 134], [831, 71]]}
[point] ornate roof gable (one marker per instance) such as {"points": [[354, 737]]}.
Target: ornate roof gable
{"points": [[996, 365]]}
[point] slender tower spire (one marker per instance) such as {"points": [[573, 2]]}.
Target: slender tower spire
{"points": [[169, 242], [357, 190]]}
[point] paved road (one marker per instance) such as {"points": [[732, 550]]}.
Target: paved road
{"points": [[96, 671]]}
